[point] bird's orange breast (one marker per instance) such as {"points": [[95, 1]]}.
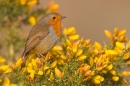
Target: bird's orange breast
{"points": [[57, 28], [56, 25]]}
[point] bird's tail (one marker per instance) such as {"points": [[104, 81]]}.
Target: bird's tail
{"points": [[23, 61]]}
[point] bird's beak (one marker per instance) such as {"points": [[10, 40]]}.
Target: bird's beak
{"points": [[63, 17]]}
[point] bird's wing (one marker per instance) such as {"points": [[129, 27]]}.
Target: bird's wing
{"points": [[37, 34]]}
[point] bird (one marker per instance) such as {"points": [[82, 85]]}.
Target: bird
{"points": [[44, 35]]}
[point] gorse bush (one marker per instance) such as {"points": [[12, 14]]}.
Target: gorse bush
{"points": [[76, 62]]}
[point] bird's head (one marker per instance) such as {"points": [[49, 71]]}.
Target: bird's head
{"points": [[53, 18]]}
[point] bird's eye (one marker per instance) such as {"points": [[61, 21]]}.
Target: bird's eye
{"points": [[54, 17]]}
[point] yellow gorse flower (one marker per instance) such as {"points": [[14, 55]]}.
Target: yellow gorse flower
{"points": [[8, 83], [58, 73], [45, 67], [74, 37], [22, 2], [2, 59], [128, 62], [68, 42], [0, 80], [87, 73], [3, 68], [116, 31], [115, 78], [79, 52], [97, 46], [113, 72], [109, 67], [126, 73], [19, 62], [97, 79], [40, 72], [74, 48], [122, 32], [8, 70], [91, 61], [111, 52], [53, 64], [120, 45], [63, 57], [28, 2], [48, 72], [31, 75], [53, 7], [51, 76], [82, 57], [70, 31], [104, 71], [32, 20], [128, 45], [122, 38], [32, 2], [56, 48], [108, 34], [126, 56]]}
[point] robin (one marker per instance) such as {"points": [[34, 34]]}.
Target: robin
{"points": [[44, 35]]}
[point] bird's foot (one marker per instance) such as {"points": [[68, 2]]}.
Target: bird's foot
{"points": [[40, 55]]}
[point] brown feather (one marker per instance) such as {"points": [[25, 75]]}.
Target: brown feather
{"points": [[38, 32]]}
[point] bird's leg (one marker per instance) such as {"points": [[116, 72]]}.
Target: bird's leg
{"points": [[39, 59], [40, 55]]}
